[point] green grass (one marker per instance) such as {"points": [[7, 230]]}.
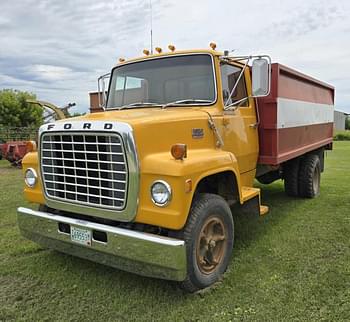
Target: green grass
{"points": [[342, 135], [291, 265]]}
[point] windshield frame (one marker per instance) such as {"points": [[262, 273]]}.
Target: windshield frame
{"points": [[164, 57]]}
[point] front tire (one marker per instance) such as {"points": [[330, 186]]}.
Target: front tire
{"points": [[208, 235]]}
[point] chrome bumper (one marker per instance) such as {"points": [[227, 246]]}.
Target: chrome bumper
{"points": [[132, 251]]}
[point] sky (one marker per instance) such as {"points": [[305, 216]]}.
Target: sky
{"points": [[57, 49]]}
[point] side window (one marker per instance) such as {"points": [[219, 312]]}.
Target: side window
{"points": [[230, 74]]}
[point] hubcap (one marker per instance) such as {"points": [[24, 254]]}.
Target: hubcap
{"points": [[316, 180], [211, 245]]}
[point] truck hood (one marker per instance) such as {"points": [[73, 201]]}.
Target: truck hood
{"points": [[156, 129]]}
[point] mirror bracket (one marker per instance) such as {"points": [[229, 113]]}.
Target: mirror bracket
{"points": [[233, 106], [101, 84]]}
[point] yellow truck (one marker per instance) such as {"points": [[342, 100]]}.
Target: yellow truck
{"points": [[148, 185]]}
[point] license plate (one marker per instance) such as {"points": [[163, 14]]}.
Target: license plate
{"points": [[80, 236]]}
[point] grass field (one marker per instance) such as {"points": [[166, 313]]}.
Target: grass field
{"points": [[291, 265]]}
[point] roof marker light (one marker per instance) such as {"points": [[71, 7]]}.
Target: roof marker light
{"points": [[158, 50], [146, 52], [171, 47], [212, 45]]}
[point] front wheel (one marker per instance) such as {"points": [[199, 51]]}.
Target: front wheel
{"points": [[208, 235]]}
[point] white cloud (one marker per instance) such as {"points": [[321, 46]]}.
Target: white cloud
{"points": [[49, 72]]}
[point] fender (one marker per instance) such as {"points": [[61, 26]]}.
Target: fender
{"points": [[162, 166]]}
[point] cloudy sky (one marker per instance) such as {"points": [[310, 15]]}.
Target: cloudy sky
{"points": [[57, 49]]}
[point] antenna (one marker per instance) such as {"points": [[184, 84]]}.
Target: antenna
{"points": [[150, 6]]}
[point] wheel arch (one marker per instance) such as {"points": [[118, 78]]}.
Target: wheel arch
{"points": [[224, 183]]}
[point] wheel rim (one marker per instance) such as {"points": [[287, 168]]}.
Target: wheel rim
{"points": [[211, 245], [316, 180]]}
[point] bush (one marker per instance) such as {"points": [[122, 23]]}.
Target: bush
{"points": [[347, 123], [16, 112], [342, 136]]}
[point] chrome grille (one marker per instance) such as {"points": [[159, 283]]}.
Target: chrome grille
{"points": [[85, 168]]}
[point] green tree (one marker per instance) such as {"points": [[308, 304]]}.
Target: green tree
{"points": [[16, 112], [347, 123]]}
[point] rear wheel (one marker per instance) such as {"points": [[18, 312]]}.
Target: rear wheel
{"points": [[208, 235], [291, 178], [310, 176]]}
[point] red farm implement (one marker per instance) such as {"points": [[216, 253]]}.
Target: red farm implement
{"points": [[14, 151], [17, 141]]}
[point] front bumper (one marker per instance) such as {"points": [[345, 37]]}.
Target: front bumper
{"points": [[141, 253]]}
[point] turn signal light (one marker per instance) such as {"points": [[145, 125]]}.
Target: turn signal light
{"points": [[158, 50], [179, 151], [212, 45], [31, 146]]}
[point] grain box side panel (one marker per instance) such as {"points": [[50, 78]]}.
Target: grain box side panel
{"points": [[297, 116], [305, 112]]}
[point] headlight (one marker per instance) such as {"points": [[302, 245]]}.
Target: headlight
{"points": [[161, 193], [30, 177]]}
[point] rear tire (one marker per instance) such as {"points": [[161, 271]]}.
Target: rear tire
{"points": [[310, 176], [291, 178], [208, 235]]}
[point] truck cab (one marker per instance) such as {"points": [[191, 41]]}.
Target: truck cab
{"points": [[148, 184]]}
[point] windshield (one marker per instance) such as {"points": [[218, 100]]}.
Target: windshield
{"points": [[187, 78]]}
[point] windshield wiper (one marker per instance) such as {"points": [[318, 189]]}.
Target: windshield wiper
{"points": [[175, 103], [138, 104], [186, 101]]}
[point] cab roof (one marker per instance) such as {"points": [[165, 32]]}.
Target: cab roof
{"points": [[171, 53]]}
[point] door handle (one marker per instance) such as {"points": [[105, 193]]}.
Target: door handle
{"points": [[253, 125]]}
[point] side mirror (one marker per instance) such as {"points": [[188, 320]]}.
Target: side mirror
{"points": [[261, 77]]}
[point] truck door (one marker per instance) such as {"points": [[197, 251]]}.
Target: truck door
{"points": [[239, 130]]}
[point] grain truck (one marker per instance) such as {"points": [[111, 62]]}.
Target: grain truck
{"points": [[149, 184]]}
